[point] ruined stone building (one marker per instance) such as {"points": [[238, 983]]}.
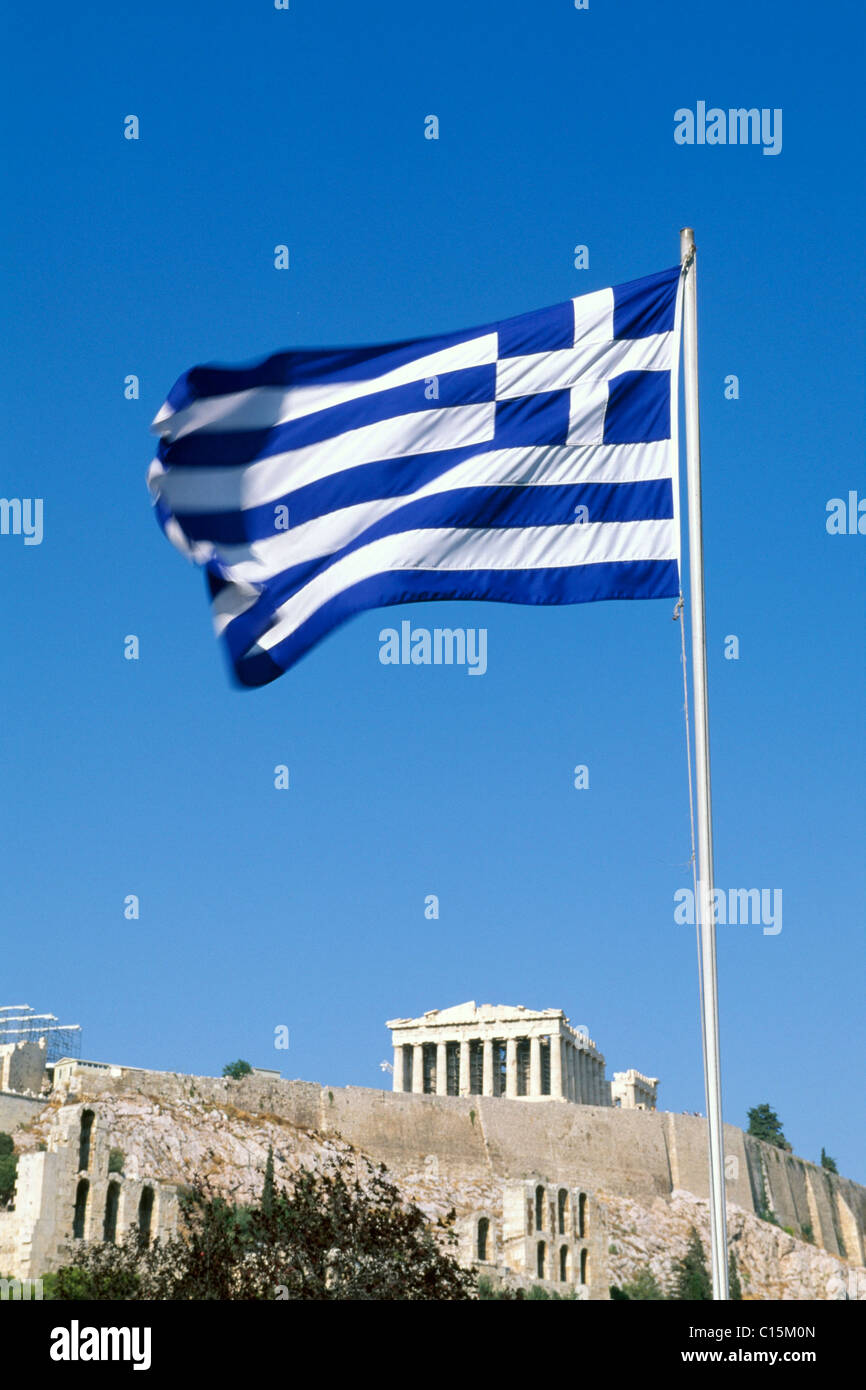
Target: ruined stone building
{"points": [[77, 1189], [631, 1090], [23, 1066], [544, 1233]]}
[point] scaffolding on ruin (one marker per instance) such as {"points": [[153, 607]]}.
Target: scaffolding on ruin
{"points": [[20, 1023]]}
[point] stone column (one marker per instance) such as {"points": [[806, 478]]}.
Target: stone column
{"points": [[596, 1096], [511, 1067], [417, 1067], [487, 1076], [441, 1070], [555, 1065], [535, 1066], [582, 1076], [464, 1067], [570, 1066], [398, 1067]]}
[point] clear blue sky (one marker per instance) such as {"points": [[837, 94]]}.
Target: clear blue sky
{"points": [[306, 907]]}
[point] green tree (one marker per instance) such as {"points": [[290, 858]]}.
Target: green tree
{"points": [[115, 1161], [344, 1233], [765, 1124], [644, 1287], [237, 1069], [8, 1168], [735, 1288], [268, 1191], [691, 1278], [828, 1163]]}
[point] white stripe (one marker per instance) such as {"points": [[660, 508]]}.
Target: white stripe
{"points": [[536, 547], [590, 361], [230, 602], [255, 484], [566, 463], [587, 407], [675, 420], [257, 561], [264, 406]]}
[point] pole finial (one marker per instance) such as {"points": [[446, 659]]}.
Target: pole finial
{"points": [[687, 244]]}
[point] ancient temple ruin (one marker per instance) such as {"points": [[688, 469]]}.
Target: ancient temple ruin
{"points": [[512, 1051]]}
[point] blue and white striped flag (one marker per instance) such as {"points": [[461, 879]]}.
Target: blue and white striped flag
{"points": [[530, 461]]}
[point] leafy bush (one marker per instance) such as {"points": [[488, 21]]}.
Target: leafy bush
{"points": [[8, 1168], [237, 1069]]}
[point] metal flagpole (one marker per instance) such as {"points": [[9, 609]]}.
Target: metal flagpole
{"points": [[705, 900]]}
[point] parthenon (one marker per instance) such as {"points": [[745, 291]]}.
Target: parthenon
{"points": [[498, 1050]]}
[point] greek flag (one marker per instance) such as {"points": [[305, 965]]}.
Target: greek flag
{"points": [[530, 461]]}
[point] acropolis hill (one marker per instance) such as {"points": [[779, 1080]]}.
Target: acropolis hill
{"points": [[563, 1192]]}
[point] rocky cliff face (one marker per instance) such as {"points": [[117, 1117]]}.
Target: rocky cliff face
{"points": [[177, 1140], [771, 1263]]}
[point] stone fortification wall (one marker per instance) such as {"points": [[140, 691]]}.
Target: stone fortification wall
{"points": [[635, 1153], [17, 1110]]}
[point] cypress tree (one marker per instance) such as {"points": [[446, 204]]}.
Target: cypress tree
{"points": [[691, 1276], [268, 1189]]}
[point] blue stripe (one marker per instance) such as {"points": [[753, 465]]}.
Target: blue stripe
{"points": [[228, 448], [634, 579], [644, 307], [366, 483], [311, 367], [466, 508]]}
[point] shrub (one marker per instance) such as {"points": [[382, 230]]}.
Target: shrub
{"points": [[237, 1069], [8, 1168], [644, 1288]]}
